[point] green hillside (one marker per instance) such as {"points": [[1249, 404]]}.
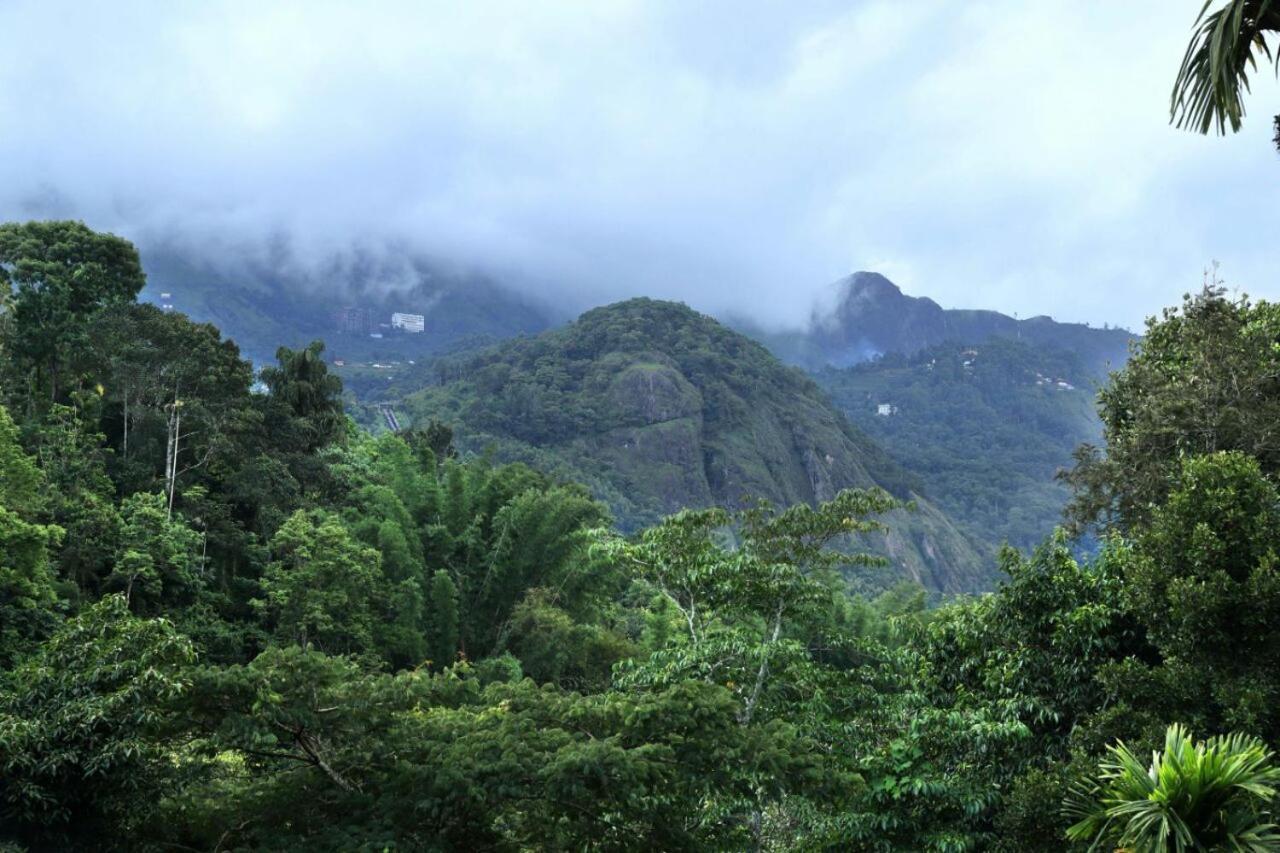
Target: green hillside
{"points": [[987, 427], [658, 408]]}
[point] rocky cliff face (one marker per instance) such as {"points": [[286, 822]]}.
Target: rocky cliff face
{"points": [[658, 408]]}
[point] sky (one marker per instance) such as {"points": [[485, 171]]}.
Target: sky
{"points": [[739, 155]]}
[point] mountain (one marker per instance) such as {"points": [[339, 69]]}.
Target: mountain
{"points": [[872, 316], [657, 408], [985, 427], [267, 305]]}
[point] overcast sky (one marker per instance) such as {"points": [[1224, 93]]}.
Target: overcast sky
{"points": [[738, 155]]}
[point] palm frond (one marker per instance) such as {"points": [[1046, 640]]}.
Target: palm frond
{"points": [[1191, 796], [1209, 91]]}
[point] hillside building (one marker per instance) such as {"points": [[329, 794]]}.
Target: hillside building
{"points": [[408, 322], [355, 320]]}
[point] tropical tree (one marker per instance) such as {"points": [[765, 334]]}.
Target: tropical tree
{"points": [[87, 729], [323, 586], [310, 395], [1209, 91], [1205, 378], [1214, 795], [156, 561], [59, 274]]}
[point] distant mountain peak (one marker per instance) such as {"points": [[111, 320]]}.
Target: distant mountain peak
{"points": [[865, 315], [865, 291]]}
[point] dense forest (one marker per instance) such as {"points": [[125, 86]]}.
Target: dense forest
{"points": [[230, 620], [984, 427]]}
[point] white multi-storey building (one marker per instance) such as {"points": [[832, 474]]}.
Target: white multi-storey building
{"points": [[408, 322]]}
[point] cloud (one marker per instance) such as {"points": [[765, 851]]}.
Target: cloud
{"points": [[739, 156]]}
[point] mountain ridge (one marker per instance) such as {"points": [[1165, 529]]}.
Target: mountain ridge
{"points": [[657, 407], [871, 316]]}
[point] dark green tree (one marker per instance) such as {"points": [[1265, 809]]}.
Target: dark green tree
{"points": [[1206, 584], [1205, 378], [442, 620], [322, 587], [27, 594], [310, 395], [58, 274], [86, 730]]}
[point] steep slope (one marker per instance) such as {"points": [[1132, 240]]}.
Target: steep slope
{"points": [[657, 408], [985, 427], [872, 316], [267, 305]]}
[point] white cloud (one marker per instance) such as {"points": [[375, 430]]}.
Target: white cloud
{"points": [[737, 155]]}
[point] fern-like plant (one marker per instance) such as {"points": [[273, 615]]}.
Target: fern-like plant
{"points": [[1215, 795]]}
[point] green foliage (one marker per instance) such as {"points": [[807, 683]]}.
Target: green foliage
{"points": [[27, 594], [84, 748], [1208, 93], [20, 479], [1206, 585], [1205, 378], [1214, 795], [149, 363], [56, 275], [313, 397], [442, 620], [321, 586], [156, 564], [308, 752]]}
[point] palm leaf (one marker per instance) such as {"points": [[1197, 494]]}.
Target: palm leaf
{"points": [[1209, 91], [1212, 795]]}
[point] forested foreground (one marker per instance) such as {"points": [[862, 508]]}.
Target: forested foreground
{"points": [[229, 620]]}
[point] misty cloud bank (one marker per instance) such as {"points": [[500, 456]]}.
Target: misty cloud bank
{"points": [[736, 155]]}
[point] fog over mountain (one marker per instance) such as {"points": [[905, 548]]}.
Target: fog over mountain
{"points": [[738, 156]]}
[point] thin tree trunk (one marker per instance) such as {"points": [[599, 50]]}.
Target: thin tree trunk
{"points": [[750, 708], [173, 476], [126, 422], [171, 449]]}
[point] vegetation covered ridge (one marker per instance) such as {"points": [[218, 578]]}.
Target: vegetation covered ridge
{"points": [[657, 408]]}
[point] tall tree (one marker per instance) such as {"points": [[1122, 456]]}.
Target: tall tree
{"points": [[1205, 378], [175, 394], [322, 586], [155, 566], [60, 274], [310, 393], [442, 620], [20, 480]]}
